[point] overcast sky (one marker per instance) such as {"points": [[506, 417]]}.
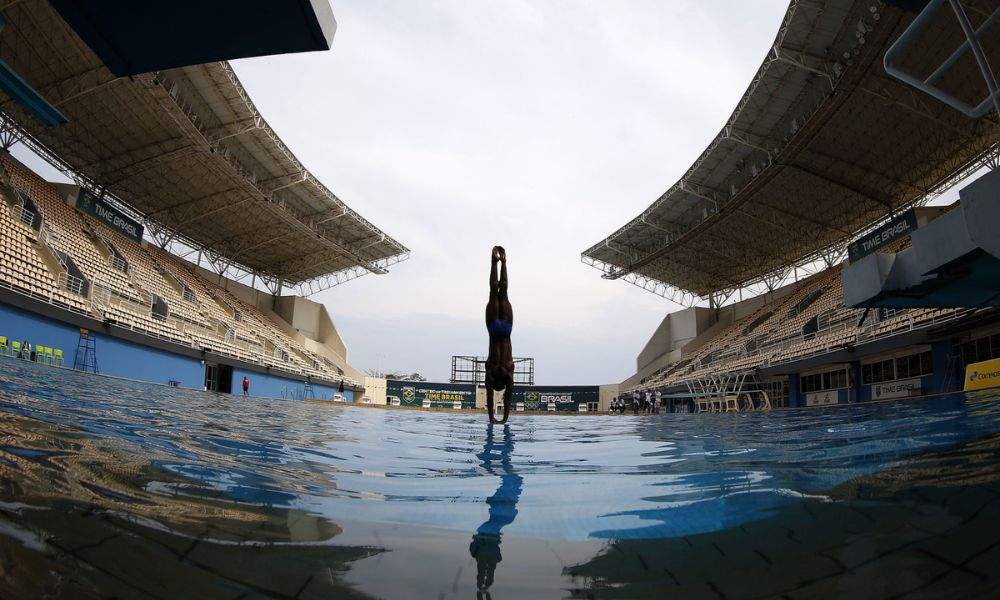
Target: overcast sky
{"points": [[542, 126]]}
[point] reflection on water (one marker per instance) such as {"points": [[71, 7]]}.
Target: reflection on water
{"points": [[485, 546], [81, 516], [113, 488], [925, 529]]}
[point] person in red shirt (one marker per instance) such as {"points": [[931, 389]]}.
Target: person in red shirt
{"points": [[246, 386]]}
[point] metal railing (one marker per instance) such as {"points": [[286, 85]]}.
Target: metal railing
{"points": [[71, 283], [118, 263], [43, 298], [100, 294], [22, 214]]}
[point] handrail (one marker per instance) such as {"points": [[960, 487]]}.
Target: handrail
{"points": [[118, 263], [22, 214], [41, 298], [70, 282]]}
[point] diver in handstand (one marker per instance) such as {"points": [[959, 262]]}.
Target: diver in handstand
{"points": [[499, 322]]}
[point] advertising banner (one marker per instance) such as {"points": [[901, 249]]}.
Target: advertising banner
{"points": [[982, 375], [435, 395], [109, 215], [565, 397], [896, 389], [821, 398], [900, 227]]}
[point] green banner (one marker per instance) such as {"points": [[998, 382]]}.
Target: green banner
{"points": [[563, 398], [432, 395], [109, 215]]}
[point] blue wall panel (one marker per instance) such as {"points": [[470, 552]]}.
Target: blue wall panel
{"points": [[114, 356], [16, 324], [127, 359], [265, 384]]}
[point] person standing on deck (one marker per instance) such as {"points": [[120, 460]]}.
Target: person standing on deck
{"points": [[499, 323], [246, 385]]}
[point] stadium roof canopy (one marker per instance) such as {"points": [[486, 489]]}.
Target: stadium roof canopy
{"points": [[186, 151], [823, 144]]}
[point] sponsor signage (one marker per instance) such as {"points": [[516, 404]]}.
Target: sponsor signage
{"points": [[109, 215], [439, 395], [566, 397], [821, 398], [900, 227], [896, 389], [982, 375]]}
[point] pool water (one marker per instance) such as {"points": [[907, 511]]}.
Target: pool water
{"points": [[111, 488]]}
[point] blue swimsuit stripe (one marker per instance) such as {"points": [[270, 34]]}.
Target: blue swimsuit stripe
{"points": [[500, 327]]}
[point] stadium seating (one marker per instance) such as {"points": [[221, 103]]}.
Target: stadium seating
{"points": [[23, 270], [126, 278], [811, 320]]}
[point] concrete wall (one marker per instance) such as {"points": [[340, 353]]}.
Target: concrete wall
{"points": [[300, 313], [607, 393], [375, 389], [312, 325], [675, 331]]}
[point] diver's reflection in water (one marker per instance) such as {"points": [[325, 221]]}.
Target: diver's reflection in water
{"points": [[485, 547]]}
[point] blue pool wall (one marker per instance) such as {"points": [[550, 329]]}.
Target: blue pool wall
{"points": [[124, 358], [275, 386]]}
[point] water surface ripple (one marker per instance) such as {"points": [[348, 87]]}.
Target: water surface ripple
{"points": [[388, 490]]}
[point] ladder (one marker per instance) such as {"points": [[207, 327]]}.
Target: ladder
{"points": [[86, 352], [951, 372]]}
